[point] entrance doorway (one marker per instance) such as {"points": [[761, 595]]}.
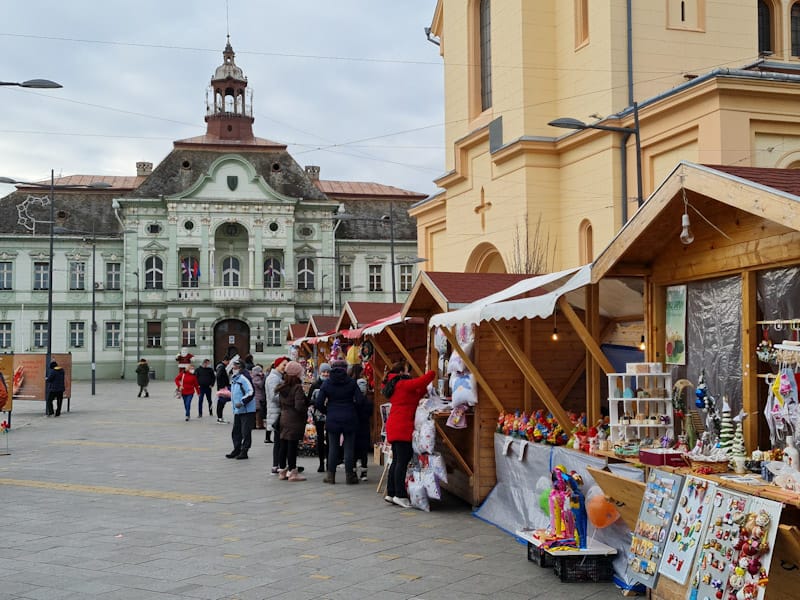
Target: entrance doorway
{"points": [[231, 337]]}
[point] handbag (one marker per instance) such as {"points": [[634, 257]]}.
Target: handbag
{"points": [[178, 394]]}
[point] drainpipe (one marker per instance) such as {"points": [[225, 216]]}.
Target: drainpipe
{"points": [[624, 142]]}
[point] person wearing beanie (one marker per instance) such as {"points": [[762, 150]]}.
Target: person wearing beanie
{"points": [[143, 377], [340, 398], [319, 416], [294, 409], [205, 379], [244, 411], [272, 381], [55, 389]]}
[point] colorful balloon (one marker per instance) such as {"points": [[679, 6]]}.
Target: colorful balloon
{"points": [[601, 511], [544, 501]]}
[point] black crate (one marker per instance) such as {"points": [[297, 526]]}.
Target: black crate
{"points": [[537, 555], [570, 569]]}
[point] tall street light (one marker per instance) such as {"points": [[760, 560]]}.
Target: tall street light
{"points": [[570, 123], [34, 83], [53, 187]]}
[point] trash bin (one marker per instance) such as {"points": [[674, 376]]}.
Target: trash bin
{"points": [[152, 374]]}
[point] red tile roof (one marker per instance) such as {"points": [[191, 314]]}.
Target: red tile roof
{"points": [[367, 312], [297, 330], [463, 288], [786, 180], [323, 324], [117, 182], [363, 188]]}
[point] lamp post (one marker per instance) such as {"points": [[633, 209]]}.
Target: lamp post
{"points": [[34, 83], [53, 187], [570, 123]]}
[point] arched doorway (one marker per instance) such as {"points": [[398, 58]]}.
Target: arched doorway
{"points": [[485, 259], [231, 337]]}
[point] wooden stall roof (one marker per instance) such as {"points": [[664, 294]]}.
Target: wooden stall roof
{"points": [[358, 314], [440, 291], [295, 331], [769, 197], [320, 325]]}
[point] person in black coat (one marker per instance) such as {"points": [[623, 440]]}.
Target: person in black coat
{"points": [[55, 387], [363, 443], [223, 381], [339, 398], [206, 376]]}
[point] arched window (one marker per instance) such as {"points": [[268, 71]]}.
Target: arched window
{"points": [[305, 274], [795, 28], [230, 272], [485, 45], [764, 27], [585, 242], [190, 272], [153, 273], [272, 273]]}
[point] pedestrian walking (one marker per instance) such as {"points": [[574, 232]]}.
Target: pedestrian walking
{"points": [[143, 377], [223, 387], [340, 399], [363, 443], [294, 410], [404, 393], [259, 390], [206, 378], [244, 412], [55, 389], [318, 416], [186, 386]]}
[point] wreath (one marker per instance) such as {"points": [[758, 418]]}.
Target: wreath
{"points": [[367, 350]]}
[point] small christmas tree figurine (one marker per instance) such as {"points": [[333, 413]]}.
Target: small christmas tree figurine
{"points": [[727, 427], [737, 448]]}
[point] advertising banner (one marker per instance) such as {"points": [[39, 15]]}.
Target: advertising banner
{"points": [[6, 381], [29, 375]]}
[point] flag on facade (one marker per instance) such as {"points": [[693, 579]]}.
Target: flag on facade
{"points": [[191, 268]]}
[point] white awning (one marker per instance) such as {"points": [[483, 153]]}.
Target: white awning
{"points": [[376, 327], [500, 305]]}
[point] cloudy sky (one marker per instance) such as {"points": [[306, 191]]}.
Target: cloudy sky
{"points": [[350, 85]]}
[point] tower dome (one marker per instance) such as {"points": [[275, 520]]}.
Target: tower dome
{"points": [[229, 104]]}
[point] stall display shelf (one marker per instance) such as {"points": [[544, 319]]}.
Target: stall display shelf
{"points": [[640, 406]]}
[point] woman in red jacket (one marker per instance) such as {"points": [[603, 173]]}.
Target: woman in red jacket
{"points": [[404, 393], [186, 385]]}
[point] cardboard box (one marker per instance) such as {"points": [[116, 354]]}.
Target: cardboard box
{"points": [[643, 368], [658, 457]]}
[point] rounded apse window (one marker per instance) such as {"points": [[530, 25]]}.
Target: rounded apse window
{"points": [[186, 164], [273, 226], [154, 228], [189, 225], [276, 167], [306, 231]]}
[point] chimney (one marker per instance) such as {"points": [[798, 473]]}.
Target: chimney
{"points": [[143, 169], [313, 172]]}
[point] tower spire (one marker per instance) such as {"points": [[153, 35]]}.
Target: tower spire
{"points": [[229, 109]]}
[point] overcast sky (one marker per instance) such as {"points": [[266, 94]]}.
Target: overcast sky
{"points": [[350, 85]]}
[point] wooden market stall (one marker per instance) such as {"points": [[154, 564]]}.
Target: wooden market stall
{"points": [[745, 237]]}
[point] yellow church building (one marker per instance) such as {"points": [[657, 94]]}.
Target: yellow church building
{"points": [[707, 82]]}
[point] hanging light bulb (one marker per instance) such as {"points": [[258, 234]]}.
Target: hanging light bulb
{"points": [[641, 344], [554, 337], [687, 237]]}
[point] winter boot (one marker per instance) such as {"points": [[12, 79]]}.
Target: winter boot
{"points": [[329, 478], [351, 478], [295, 476], [268, 438], [282, 474]]}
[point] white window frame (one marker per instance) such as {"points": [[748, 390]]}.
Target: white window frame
{"points": [[406, 277], [113, 335], [375, 278], [153, 273], [188, 332], [41, 276], [77, 275], [6, 334], [113, 276], [272, 273], [77, 334], [305, 274], [273, 332], [231, 272], [6, 275], [40, 334], [345, 277], [154, 341]]}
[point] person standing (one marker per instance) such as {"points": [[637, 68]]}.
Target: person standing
{"points": [[318, 416], [205, 379], [143, 377], [258, 378], [274, 378], [363, 443], [244, 412], [294, 409], [56, 386], [186, 383], [340, 399], [223, 383], [404, 393]]}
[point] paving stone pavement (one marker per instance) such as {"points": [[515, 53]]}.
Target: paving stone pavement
{"points": [[120, 498]]}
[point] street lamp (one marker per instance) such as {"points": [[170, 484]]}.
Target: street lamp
{"points": [[34, 83], [570, 123], [53, 187]]}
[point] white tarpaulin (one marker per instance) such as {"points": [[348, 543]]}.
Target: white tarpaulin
{"points": [[376, 327], [501, 306]]}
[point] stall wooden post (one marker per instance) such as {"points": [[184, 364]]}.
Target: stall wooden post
{"points": [[592, 317], [749, 360], [406, 354], [591, 345]]}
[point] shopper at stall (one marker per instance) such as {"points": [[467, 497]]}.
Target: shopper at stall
{"points": [[143, 377], [318, 416], [404, 393], [55, 389], [292, 399], [205, 379], [244, 412], [223, 383], [340, 399], [259, 378], [364, 432], [274, 378], [186, 386]]}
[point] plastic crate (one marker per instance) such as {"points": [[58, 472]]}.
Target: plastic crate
{"points": [[537, 555], [571, 569]]}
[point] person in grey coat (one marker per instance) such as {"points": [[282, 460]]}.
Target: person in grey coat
{"points": [[143, 377], [274, 379]]}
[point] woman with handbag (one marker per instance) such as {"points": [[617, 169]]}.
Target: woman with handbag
{"points": [[186, 387]]}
